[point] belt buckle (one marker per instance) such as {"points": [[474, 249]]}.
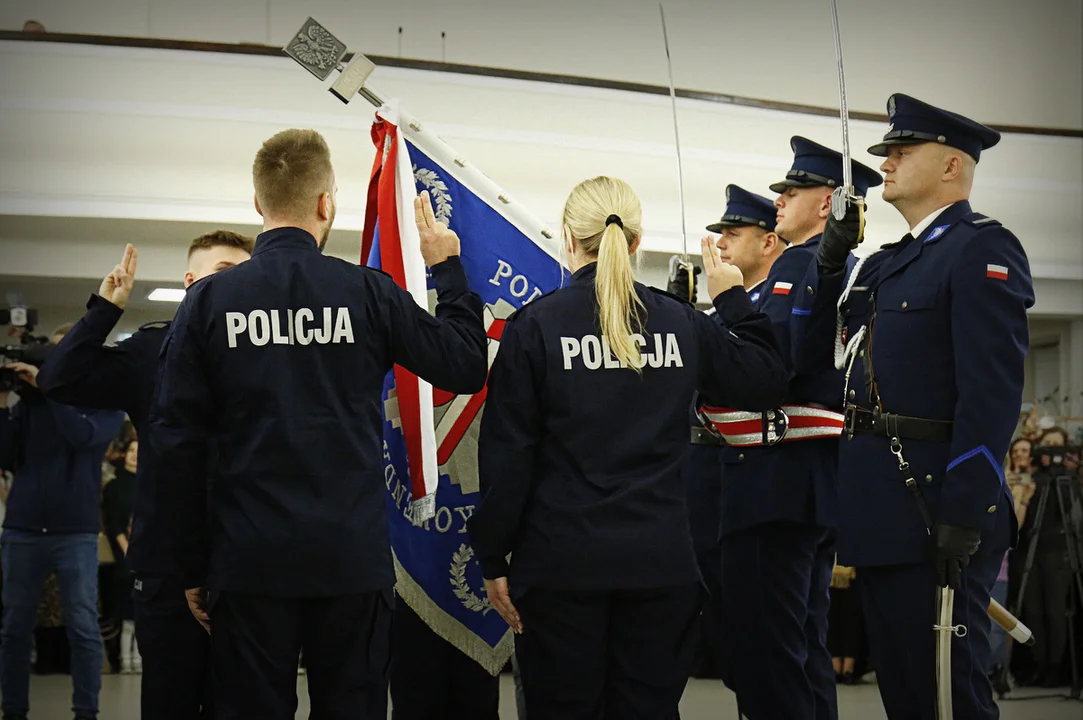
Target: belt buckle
{"points": [[778, 424], [707, 424], [849, 421]]}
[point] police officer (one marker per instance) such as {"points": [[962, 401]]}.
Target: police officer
{"points": [[747, 237], [747, 240], [579, 456], [778, 495], [278, 366], [935, 333], [82, 370]]}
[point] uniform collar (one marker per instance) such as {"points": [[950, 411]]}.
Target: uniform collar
{"points": [[928, 220], [286, 237], [585, 274], [756, 288]]}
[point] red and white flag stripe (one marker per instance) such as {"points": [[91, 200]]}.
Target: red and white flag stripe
{"points": [[999, 272], [781, 288], [400, 257]]}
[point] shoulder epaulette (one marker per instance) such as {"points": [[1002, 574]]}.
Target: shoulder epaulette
{"points": [[668, 294], [979, 220], [157, 325]]}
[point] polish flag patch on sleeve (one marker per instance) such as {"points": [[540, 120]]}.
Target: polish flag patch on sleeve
{"points": [[997, 272], [783, 288]]}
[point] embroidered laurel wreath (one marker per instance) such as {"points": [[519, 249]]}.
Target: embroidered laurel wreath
{"points": [[438, 190], [459, 586]]}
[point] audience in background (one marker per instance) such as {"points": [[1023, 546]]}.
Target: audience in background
{"points": [[118, 501]]}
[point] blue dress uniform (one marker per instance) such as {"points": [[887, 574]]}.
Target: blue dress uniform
{"points": [[278, 366], [779, 503], [175, 682], [936, 330], [579, 463], [701, 469]]}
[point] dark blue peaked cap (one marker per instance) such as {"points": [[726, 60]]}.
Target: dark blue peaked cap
{"points": [[745, 208], [913, 121], [816, 166]]}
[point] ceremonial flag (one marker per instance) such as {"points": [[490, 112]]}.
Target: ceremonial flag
{"points": [[430, 436]]}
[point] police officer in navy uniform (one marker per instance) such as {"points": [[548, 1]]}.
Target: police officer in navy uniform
{"points": [[747, 240], [278, 365], [579, 462], [778, 494], [934, 339], [83, 370]]}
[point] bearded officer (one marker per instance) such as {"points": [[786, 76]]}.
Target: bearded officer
{"points": [[279, 365], [935, 328], [778, 493]]}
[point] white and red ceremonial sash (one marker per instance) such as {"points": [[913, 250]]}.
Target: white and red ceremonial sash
{"points": [[741, 428]]}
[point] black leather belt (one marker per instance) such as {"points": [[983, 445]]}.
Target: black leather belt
{"points": [[701, 436], [873, 422]]}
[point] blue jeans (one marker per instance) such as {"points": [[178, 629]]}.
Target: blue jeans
{"points": [[27, 560], [998, 639]]}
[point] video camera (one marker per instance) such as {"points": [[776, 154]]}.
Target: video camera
{"points": [[1051, 459], [33, 350]]}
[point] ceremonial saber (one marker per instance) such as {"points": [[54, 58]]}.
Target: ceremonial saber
{"points": [[676, 135], [1011, 624], [945, 630], [843, 194]]}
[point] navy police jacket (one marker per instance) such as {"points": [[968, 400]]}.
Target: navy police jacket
{"points": [[579, 459], [701, 471], [55, 452], [947, 317], [83, 370], [790, 481], [277, 366]]}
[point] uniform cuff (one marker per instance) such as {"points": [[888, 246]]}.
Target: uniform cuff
{"points": [[449, 277], [102, 316], [493, 568], [733, 305]]}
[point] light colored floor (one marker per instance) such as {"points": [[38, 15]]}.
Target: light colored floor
{"points": [[50, 698]]}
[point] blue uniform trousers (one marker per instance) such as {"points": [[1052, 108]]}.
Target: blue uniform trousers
{"points": [[176, 651], [775, 600], [256, 645], [607, 654], [900, 610]]}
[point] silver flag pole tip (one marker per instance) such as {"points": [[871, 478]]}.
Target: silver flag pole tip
{"points": [[315, 49]]}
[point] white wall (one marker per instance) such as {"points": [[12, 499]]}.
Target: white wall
{"points": [[147, 136], [1003, 61]]}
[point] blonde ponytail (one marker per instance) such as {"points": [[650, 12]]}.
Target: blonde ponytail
{"points": [[614, 286], [588, 217]]}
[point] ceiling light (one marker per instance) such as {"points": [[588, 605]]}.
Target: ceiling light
{"points": [[174, 295]]}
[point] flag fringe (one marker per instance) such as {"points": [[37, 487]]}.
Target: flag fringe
{"points": [[493, 659]]}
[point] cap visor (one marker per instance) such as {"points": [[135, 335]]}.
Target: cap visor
{"points": [[722, 224], [881, 149], [780, 187]]}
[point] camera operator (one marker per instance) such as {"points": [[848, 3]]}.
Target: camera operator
{"points": [[51, 525], [1046, 606]]}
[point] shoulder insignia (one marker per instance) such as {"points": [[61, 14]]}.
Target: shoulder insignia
{"points": [[666, 293], [981, 221], [158, 325]]}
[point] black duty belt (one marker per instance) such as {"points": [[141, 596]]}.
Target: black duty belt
{"points": [[874, 422], [701, 436]]}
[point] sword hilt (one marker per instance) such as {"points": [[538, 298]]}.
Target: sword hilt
{"points": [[841, 200]]}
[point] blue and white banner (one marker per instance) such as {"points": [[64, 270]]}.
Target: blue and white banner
{"points": [[510, 259]]}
